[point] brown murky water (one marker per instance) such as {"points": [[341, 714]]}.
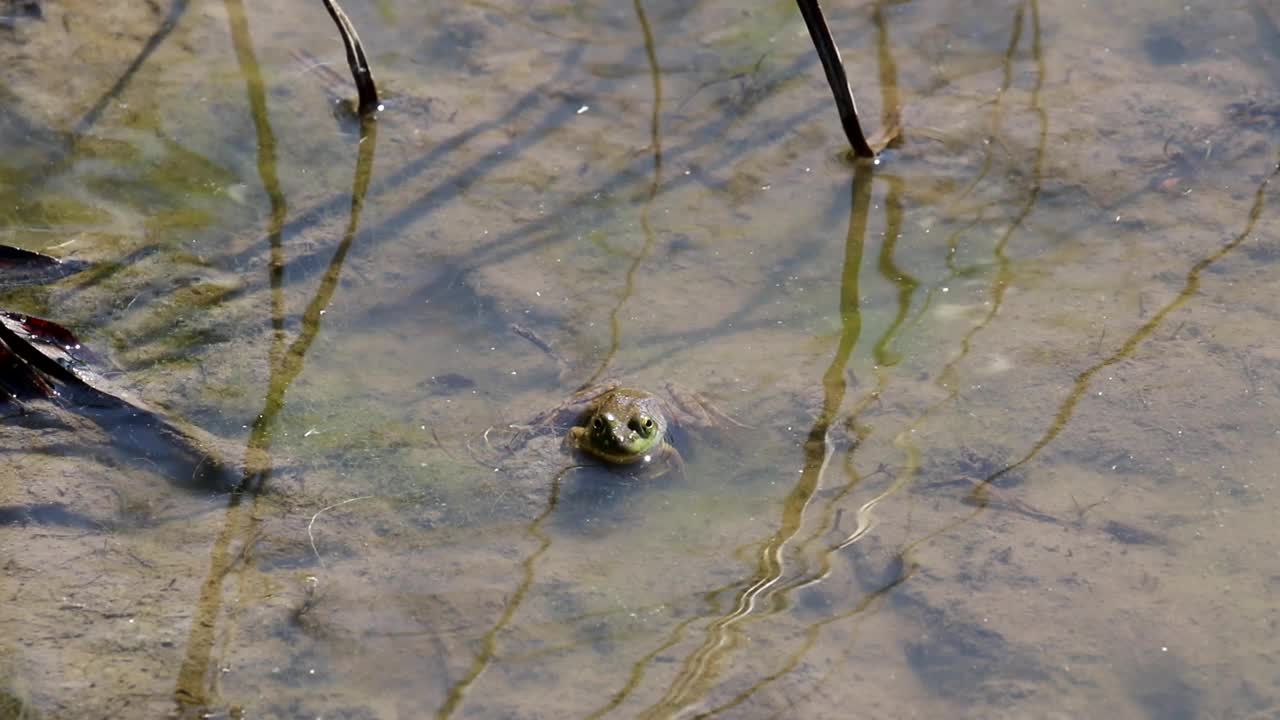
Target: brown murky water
{"points": [[1013, 391]]}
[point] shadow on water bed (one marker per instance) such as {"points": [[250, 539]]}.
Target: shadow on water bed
{"points": [[1016, 371], [53, 385]]}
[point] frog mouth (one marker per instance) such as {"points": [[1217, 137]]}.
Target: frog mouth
{"points": [[622, 443]]}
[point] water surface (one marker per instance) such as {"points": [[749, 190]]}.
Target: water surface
{"points": [[1011, 390]]}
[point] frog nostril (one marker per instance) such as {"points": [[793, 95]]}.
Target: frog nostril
{"points": [[642, 425]]}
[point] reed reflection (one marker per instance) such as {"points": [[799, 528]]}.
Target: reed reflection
{"points": [[197, 681], [764, 593]]}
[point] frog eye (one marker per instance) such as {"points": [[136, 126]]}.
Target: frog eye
{"points": [[598, 423]]}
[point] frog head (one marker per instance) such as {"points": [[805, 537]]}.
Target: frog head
{"points": [[623, 434]]}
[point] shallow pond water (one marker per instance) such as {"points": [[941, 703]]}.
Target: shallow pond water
{"points": [[1011, 392]]}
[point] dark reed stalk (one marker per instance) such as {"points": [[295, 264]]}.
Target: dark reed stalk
{"points": [[829, 54], [360, 72]]}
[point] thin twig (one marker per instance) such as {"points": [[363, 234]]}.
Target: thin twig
{"points": [[312, 537]]}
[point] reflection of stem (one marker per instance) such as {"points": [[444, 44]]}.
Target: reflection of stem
{"points": [[1066, 410], [906, 288], [834, 381], [286, 365], [191, 688], [638, 668], [988, 153], [655, 140], [889, 102], [1189, 288], [1004, 272], [905, 283], [702, 666], [290, 363], [489, 643], [811, 635], [1081, 385]]}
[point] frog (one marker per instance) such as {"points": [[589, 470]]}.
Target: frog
{"points": [[626, 428], [623, 426]]}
